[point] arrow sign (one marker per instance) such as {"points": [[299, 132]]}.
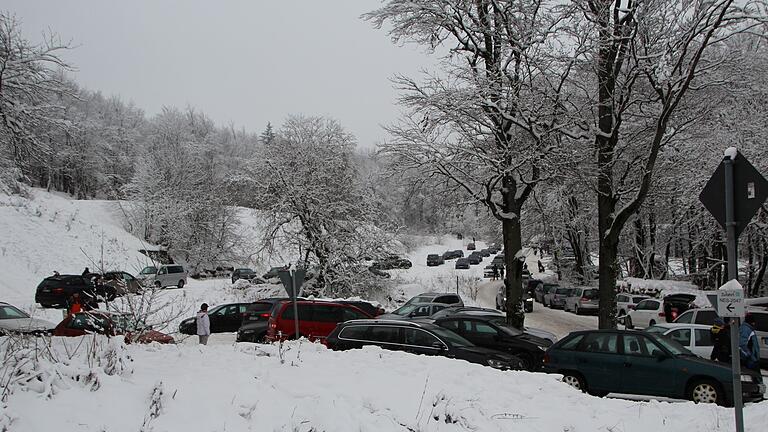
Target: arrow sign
{"points": [[730, 300], [729, 308]]}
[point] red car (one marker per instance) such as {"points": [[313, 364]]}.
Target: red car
{"points": [[317, 319], [108, 323]]}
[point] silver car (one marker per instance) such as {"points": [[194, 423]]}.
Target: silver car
{"points": [[556, 298], [13, 320], [582, 300], [164, 275]]}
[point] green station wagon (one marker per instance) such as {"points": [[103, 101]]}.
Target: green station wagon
{"points": [[632, 362]]}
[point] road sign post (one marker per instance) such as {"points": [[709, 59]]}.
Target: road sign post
{"points": [[292, 281]]}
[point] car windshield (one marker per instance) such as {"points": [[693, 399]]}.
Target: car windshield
{"points": [[656, 330], [562, 291], [405, 309], [672, 346], [451, 338], [246, 270], [589, 294], [149, 270], [502, 322], [10, 312], [419, 300]]}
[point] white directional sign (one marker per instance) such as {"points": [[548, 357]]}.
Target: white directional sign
{"points": [[730, 302]]}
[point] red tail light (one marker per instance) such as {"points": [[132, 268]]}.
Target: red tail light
{"points": [[265, 315], [546, 358], [58, 290]]}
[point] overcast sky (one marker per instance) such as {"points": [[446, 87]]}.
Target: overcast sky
{"points": [[245, 62]]}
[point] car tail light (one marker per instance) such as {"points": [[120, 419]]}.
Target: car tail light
{"points": [[546, 358], [265, 315], [58, 290]]}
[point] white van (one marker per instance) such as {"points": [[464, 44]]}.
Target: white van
{"points": [[164, 275]]}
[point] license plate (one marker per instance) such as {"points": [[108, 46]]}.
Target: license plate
{"points": [[761, 388]]}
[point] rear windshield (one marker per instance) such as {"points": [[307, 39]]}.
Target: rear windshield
{"points": [[589, 294], [175, 269], [259, 307], [562, 291], [638, 299]]}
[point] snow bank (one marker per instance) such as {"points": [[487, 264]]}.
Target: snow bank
{"points": [[667, 287], [305, 387]]}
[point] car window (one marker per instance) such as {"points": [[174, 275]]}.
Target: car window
{"points": [[383, 334], [163, 271], [306, 312], [10, 312], [327, 313], [148, 270], [600, 343], [637, 345], [437, 308], [128, 277], [637, 299], [571, 343], [482, 328], [576, 293], [685, 318], [761, 321], [621, 298], [175, 269], [647, 305], [681, 336], [419, 337], [703, 337], [354, 332], [350, 314], [706, 317], [421, 311], [590, 294], [452, 325]]}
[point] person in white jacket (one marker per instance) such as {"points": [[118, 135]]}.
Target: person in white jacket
{"points": [[203, 324]]}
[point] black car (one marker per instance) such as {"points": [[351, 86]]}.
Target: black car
{"points": [[434, 260], [475, 259], [55, 291], [417, 338], [273, 272], [462, 263], [255, 318], [392, 262], [491, 331], [485, 252], [449, 255], [243, 273], [633, 362], [224, 318]]}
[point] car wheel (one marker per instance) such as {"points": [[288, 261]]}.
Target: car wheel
{"points": [[526, 361], [158, 285], [181, 283], [575, 380], [705, 391], [651, 323], [628, 322]]}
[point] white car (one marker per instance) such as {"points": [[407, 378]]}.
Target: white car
{"points": [[163, 276], [13, 320], [627, 302], [695, 337], [647, 313]]}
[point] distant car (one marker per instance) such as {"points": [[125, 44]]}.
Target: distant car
{"points": [[449, 255], [626, 361], [255, 320], [414, 310], [696, 338], [582, 300], [416, 338], [392, 262], [435, 260], [493, 332], [493, 249], [16, 321], [541, 291], [471, 246], [705, 316], [652, 311], [492, 313], [55, 291], [316, 319], [243, 273], [475, 259], [379, 273], [164, 275], [485, 252], [122, 282], [627, 302], [437, 297], [224, 318], [111, 324], [501, 300], [273, 272], [462, 263], [556, 298], [488, 271]]}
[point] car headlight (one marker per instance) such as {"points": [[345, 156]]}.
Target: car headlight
{"points": [[746, 378], [498, 364]]}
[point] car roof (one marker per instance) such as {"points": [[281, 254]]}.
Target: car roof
{"points": [[402, 323], [433, 294], [682, 325]]}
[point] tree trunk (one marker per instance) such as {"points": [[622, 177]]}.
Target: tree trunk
{"points": [[512, 235], [609, 272]]}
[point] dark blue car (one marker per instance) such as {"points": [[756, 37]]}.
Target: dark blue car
{"points": [[632, 362]]}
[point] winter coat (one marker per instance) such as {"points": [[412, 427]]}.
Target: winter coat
{"points": [[749, 347], [721, 341], [203, 324]]}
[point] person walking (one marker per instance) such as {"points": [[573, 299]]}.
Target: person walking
{"points": [[86, 272], [721, 341], [501, 272], [75, 305], [749, 346], [541, 267], [495, 272], [203, 324]]}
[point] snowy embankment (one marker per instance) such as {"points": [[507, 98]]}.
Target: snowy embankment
{"points": [[305, 387]]}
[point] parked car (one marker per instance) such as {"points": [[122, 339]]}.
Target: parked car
{"points": [[632, 362], [761, 302], [485, 252], [489, 313], [543, 290], [458, 253], [371, 309], [761, 330], [437, 297], [414, 310], [498, 260], [256, 319], [705, 316], [462, 263], [163, 276], [581, 300], [416, 338], [122, 282], [651, 311], [475, 259], [453, 310], [434, 260], [501, 300], [471, 246], [243, 273], [55, 291], [493, 332], [110, 324], [16, 321], [273, 272], [696, 338], [493, 249], [316, 319], [627, 302], [224, 318], [556, 298], [392, 262]]}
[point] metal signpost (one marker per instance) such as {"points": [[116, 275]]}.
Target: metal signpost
{"points": [[292, 280], [733, 195]]}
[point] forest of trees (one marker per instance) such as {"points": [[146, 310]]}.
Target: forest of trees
{"points": [[586, 127]]}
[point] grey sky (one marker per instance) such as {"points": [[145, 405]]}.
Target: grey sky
{"points": [[245, 62]]}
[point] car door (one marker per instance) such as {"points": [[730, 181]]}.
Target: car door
{"points": [[162, 276], [683, 336], [646, 368], [598, 359], [643, 313], [702, 343], [418, 341], [479, 333]]}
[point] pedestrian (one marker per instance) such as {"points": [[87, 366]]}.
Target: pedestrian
{"points": [[495, 272], [541, 267], [501, 272], [86, 272], [721, 341], [203, 324], [525, 266], [75, 305], [749, 346]]}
